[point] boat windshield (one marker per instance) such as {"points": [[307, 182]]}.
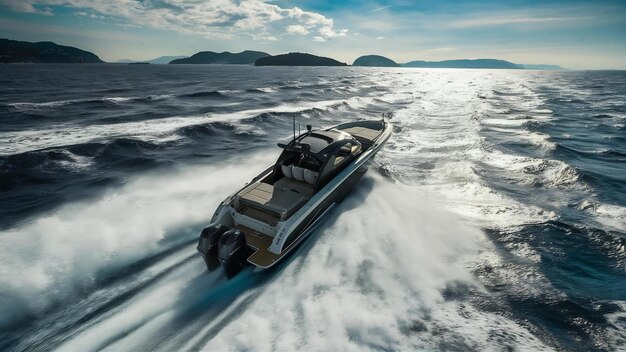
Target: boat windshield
{"points": [[319, 140], [316, 142]]}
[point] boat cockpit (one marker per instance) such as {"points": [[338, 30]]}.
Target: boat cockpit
{"points": [[307, 163]]}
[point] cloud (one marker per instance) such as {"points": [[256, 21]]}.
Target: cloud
{"points": [[442, 49], [25, 6], [215, 19], [38, 28], [328, 32], [297, 29], [510, 20], [319, 39], [90, 15]]}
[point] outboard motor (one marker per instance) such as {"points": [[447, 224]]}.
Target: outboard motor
{"points": [[232, 252], [207, 244]]}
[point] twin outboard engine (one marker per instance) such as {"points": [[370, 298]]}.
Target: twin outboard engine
{"points": [[207, 244], [218, 245], [232, 252]]}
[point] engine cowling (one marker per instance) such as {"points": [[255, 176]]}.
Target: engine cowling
{"points": [[232, 252], [208, 244]]}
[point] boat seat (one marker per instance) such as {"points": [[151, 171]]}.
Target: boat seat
{"points": [[299, 173], [300, 187], [363, 132], [283, 201]]}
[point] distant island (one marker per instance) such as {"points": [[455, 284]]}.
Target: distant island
{"points": [[381, 61], [13, 51], [161, 60], [374, 61], [542, 67], [465, 63], [297, 59], [247, 57]]}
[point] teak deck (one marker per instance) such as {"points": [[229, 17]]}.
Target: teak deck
{"points": [[262, 256]]}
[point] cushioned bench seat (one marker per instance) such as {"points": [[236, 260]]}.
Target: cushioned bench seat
{"points": [[283, 201], [364, 133]]}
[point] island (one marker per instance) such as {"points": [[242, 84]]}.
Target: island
{"points": [[247, 57], [298, 59], [374, 61], [542, 67], [163, 60], [465, 63], [13, 51]]}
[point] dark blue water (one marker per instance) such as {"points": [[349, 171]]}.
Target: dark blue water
{"points": [[495, 217]]}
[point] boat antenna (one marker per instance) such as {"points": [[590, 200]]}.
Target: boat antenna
{"points": [[298, 128], [294, 129]]}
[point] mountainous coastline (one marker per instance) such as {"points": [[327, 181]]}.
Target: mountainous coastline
{"points": [[465, 63], [161, 60], [375, 61], [298, 59], [13, 51], [247, 57], [542, 67]]}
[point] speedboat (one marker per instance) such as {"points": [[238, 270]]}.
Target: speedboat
{"points": [[278, 209]]}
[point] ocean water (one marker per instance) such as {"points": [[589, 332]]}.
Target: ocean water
{"points": [[494, 219]]}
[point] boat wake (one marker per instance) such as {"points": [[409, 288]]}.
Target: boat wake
{"points": [[136, 284]]}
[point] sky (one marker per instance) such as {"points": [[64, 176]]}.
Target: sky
{"points": [[573, 34]]}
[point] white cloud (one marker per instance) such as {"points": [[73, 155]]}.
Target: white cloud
{"points": [[328, 32], [319, 39], [297, 29], [509, 20], [442, 49], [18, 6], [90, 15], [218, 19], [25, 6]]}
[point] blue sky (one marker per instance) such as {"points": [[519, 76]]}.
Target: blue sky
{"points": [[574, 34]]}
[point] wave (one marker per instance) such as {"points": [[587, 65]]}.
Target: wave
{"points": [[338, 270], [611, 153], [384, 248], [262, 90], [36, 106], [24, 106], [207, 94], [551, 173], [161, 130], [65, 254], [589, 153], [506, 94]]}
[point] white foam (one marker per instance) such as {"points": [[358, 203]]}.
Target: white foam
{"points": [[618, 325], [34, 106], [51, 104], [443, 130], [59, 254], [610, 217], [118, 99], [379, 266]]}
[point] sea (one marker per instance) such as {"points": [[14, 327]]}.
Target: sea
{"points": [[494, 219]]}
